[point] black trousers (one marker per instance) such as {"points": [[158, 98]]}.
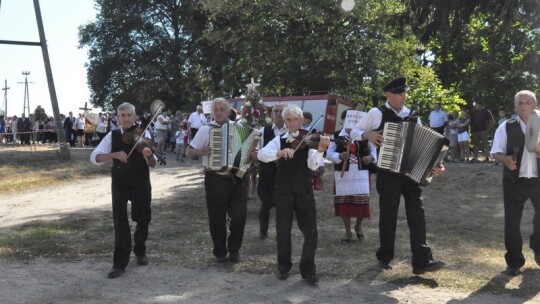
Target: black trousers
{"points": [[192, 133], [265, 191], [515, 194], [391, 187], [140, 195], [303, 206], [226, 195]]}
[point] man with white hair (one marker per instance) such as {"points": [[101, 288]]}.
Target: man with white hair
{"points": [[520, 181], [195, 121], [226, 194]]}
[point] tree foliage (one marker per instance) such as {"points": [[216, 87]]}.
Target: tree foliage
{"points": [[186, 51], [488, 50]]}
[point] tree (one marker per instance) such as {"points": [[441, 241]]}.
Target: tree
{"points": [[140, 51], [488, 50]]}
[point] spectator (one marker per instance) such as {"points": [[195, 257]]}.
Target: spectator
{"points": [[195, 121], [438, 119], [69, 122], [481, 123]]}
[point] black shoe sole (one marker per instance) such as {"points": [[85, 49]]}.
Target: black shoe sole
{"points": [[283, 276], [430, 268], [115, 273], [311, 278]]}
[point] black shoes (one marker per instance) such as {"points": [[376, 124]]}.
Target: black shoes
{"points": [[385, 265], [537, 259], [142, 260], [263, 235], [311, 278], [282, 275], [115, 273], [234, 257], [512, 271], [221, 259], [431, 266]]}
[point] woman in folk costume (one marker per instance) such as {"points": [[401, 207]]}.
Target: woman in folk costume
{"points": [[351, 185]]}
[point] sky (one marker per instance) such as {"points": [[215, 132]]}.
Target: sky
{"points": [[61, 19]]}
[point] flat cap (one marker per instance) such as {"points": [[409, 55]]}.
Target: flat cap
{"points": [[396, 86]]}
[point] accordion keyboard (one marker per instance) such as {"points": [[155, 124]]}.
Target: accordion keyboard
{"points": [[390, 152]]}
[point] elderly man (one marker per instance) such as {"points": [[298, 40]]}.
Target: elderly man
{"points": [[391, 186], [520, 181], [293, 192], [195, 121], [130, 176], [226, 194]]}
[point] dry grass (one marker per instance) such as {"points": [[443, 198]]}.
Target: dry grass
{"points": [[464, 212], [28, 167]]}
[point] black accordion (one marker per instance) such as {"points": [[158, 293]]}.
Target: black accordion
{"points": [[231, 146], [411, 149]]}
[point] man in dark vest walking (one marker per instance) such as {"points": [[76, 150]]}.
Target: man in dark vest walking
{"points": [[267, 171], [520, 181], [130, 181], [293, 193], [391, 186]]}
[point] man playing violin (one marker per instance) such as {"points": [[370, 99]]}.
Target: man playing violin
{"points": [[130, 181], [293, 192], [226, 194]]}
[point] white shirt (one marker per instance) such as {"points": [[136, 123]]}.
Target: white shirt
{"points": [[528, 167], [202, 139], [277, 132], [160, 126], [373, 120], [101, 127], [268, 153], [196, 120], [105, 146], [437, 118], [79, 123]]}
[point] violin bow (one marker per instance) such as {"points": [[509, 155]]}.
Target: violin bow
{"points": [[158, 110], [309, 132]]}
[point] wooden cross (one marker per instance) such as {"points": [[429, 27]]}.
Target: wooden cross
{"points": [[86, 108], [252, 85]]}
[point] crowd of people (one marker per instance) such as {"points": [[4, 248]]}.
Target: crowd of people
{"points": [[285, 165]]}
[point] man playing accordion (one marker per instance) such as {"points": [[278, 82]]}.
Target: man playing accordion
{"points": [[226, 194], [391, 186]]}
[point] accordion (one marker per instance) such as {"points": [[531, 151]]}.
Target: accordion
{"points": [[231, 146], [411, 149]]}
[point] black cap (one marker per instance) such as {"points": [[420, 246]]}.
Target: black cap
{"points": [[396, 86]]}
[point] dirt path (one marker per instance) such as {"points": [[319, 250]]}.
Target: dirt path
{"points": [[43, 281]]}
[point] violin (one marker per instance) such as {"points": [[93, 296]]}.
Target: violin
{"points": [[311, 140], [135, 136]]}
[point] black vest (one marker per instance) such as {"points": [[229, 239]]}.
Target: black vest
{"points": [[268, 169], [362, 149], [293, 174], [515, 139], [136, 169], [388, 115]]}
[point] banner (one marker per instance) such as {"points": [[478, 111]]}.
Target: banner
{"points": [[352, 118]]}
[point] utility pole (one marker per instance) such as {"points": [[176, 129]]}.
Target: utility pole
{"points": [[5, 89], [26, 101], [64, 152]]}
